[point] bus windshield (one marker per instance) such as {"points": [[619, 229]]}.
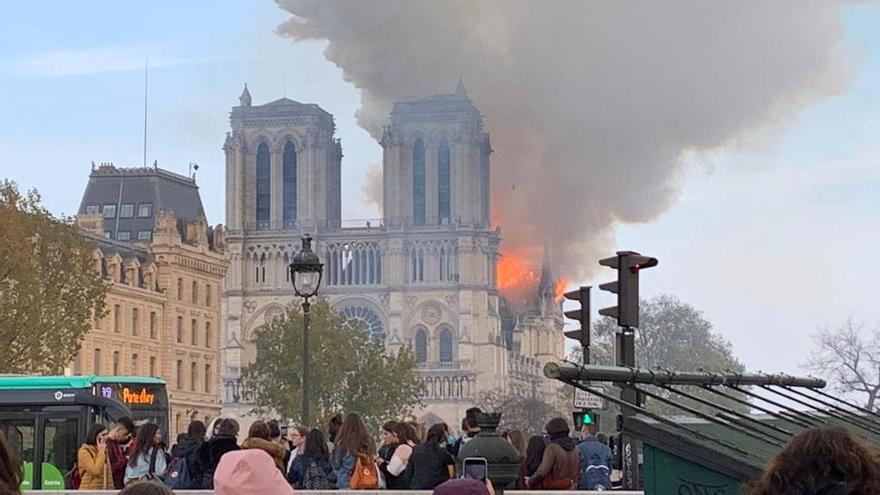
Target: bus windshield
{"points": [[45, 419]]}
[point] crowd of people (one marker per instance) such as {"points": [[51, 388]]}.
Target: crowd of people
{"points": [[821, 461]]}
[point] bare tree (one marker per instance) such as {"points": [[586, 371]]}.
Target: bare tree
{"points": [[849, 357], [523, 406]]}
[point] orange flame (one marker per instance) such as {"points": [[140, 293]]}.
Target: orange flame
{"points": [[514, 274], [559, 288]]}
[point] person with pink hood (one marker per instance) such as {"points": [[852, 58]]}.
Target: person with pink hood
{"points": [[249, 472]]}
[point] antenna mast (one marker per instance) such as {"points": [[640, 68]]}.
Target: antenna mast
{"points": [[146, 73]]}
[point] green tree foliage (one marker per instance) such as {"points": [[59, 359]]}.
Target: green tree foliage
{"points": [[49, 287], [349, 370], [674, 336]]}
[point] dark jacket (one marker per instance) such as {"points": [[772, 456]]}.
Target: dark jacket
{"points": [[594, 453], [560, 467], [429, 465], [188, 449], [116, 456], [209, 454], [297, 472], [400, 482]]}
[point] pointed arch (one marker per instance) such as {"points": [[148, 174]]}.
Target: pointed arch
{"points": [[418, 177], [264, 186], [446, 351], [421, 344], [444, 188], [288, 172]]}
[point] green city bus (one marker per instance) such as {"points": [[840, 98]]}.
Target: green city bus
{"points": [[46, 418]]}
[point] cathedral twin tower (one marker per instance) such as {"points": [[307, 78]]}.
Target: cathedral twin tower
{"points": [[424, 277]]}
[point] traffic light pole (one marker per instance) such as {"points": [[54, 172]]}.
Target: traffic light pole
{"points": [[626, 357]]}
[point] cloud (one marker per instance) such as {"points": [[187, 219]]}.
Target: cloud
{"points": [[93, 60], [591, 105]]}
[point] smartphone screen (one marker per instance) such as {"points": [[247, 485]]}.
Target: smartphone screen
{"points": [[475, 468]]}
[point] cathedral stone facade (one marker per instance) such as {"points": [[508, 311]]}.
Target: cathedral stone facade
{"points": [[423, 276]]}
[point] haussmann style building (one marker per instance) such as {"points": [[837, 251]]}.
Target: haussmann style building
{"points": [[164, 267]]}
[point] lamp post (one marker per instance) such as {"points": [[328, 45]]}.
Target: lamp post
{"points": [[305, 273]]}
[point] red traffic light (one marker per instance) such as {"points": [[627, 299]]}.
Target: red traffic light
{"points": [[637, 262]]}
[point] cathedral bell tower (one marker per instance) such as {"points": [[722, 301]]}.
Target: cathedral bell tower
{"points": [[436, 165]]}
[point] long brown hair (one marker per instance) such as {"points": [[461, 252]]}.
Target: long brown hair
{"points": [[10, 471], [518, 440], [818, 459], [353, 437], [146, 435]]}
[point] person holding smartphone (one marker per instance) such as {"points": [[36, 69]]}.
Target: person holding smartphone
{"points": [[91, 460]]}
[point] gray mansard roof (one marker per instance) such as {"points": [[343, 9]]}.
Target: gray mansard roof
{"points": [[153, 186]]}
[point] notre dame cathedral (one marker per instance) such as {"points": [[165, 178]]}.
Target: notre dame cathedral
{"points": [[424, 276]]}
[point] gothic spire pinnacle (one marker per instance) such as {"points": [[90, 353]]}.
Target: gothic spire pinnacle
{"points": [[460, 90], [547, 282], [245, 98]]}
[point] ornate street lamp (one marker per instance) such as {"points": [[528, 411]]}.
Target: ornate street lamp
{"points": [[306, 272]]}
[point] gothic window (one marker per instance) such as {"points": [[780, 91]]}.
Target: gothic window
{"points": [[264, 186], [288, 166], [421, 345], [443, 179], [364, 318], [446, 346], [419, 182]]}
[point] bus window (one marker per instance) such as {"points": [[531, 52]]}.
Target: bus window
{"points": [[20, 434], [59, 451]]}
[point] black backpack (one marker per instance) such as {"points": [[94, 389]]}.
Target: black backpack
{"points": [[316, 479]]}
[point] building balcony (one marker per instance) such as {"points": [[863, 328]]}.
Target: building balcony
{"points": [[236, 391], [440, 365]]}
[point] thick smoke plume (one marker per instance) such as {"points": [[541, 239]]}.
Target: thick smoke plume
{"points": [[591, 105]]}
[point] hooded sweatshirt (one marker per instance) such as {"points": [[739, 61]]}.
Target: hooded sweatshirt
{"points": [[559, 466], [249, 472]]}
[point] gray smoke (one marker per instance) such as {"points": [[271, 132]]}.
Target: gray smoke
{"points": [[591, 105]]}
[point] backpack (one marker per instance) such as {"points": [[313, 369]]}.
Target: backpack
{"points": [[365, 475], [596, 477], [178, 477], [74, 477], [316, 479]]}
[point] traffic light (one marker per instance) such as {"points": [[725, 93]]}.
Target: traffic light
{"points": [[582, 315], [584, 418], [628, 264]]}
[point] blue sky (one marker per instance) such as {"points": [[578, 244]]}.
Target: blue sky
{"points": [[768, 249]]}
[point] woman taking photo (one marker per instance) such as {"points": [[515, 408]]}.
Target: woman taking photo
{"points": [[148, 460], [430, 462], [91, 460], [353, 448]]}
